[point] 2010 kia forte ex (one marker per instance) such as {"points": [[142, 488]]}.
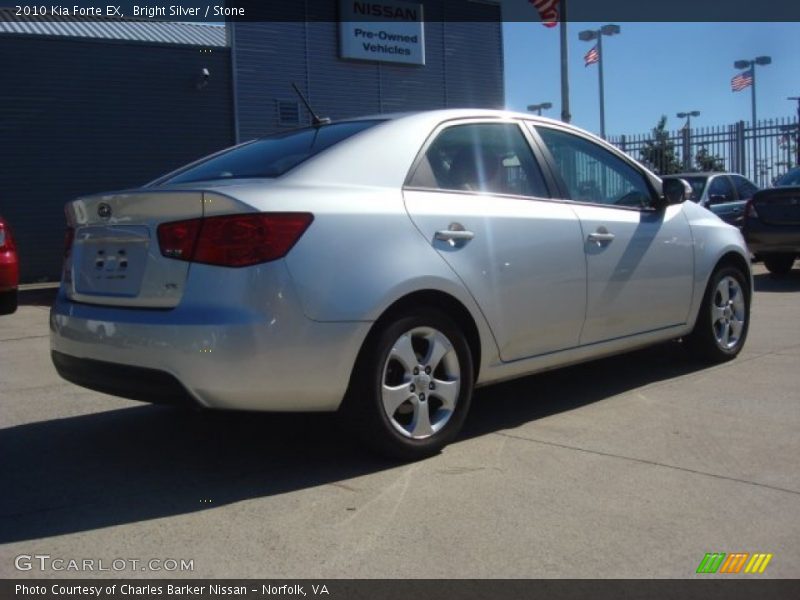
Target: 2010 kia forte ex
{"points": [[383, 267]]}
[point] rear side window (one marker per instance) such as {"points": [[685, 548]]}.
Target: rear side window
{"points": [[484, 157], [744, 188], [271, 156], [720, 190], [790, 178]]}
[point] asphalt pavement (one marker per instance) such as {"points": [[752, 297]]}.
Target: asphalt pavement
{"points": [[633, 466]]}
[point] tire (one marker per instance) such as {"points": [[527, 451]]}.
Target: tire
{"points": [[724, 319], [405, 414], [8, 302], [779, 264]]}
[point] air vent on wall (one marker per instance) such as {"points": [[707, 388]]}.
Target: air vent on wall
{"points": [[288, 113]]}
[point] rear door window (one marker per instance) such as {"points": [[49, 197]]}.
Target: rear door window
{"points": [[270, 156], [492, 158], [720, 190], [744, 188]]}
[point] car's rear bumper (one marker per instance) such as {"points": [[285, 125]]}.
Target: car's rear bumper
{"points": [[766, 239], [253, 350], [9, 272], [136, 383]]}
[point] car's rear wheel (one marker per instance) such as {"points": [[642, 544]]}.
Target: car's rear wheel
{"points": [[779, 264], [722, 324], [8, 302], [412, 386]]}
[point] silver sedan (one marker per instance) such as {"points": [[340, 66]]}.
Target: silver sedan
{"points": [[383, 267]]}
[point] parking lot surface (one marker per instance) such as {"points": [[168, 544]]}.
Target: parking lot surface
{"points": [[633, 466]]}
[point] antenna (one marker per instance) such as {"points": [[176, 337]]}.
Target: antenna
{"points": [[316, 120]]}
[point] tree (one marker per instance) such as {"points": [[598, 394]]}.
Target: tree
{"points": [[659, 151], [706, 161]]}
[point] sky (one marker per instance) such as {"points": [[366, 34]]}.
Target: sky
{"points": [[654, 69]]}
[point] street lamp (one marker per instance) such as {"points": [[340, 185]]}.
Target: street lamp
{"points": [[538, 108], [597, 34], [687, 136], [688, 116], [751, 64]]}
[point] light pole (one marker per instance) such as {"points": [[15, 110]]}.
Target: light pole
{"points": [[751, 64], [688, 116], [687, 136], [538, 108], [797, 143], [597, 34]]}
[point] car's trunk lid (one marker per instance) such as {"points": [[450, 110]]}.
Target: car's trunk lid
{"points": [[115, 258], [778, 206]]}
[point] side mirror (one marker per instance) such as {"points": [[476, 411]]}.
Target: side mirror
{"points": [[675, 191]]}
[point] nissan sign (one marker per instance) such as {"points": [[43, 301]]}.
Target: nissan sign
{"points": [[382, 30]]}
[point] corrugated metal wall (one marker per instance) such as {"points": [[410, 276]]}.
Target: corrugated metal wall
{"points": [[79, 116], [464, 65], [83, 116]]}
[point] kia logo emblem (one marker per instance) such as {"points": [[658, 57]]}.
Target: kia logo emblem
{"points": [[103, 210]]}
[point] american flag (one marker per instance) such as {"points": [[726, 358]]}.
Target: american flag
{"points": [[548, 11], [742, 80], [591, 57]]}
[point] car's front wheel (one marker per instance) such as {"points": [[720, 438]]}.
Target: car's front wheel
{"points": [[412, 386], [721, 328], [779, 264]]}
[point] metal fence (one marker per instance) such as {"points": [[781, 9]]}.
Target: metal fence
{"points": [[722, 148]]}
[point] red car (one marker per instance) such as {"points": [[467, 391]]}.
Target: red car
{"points": [[9, 270]]}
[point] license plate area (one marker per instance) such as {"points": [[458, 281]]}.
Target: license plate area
{"points": [[110, 261]]}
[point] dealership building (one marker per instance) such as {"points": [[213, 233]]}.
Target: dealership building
{"points": [[107, 104]]}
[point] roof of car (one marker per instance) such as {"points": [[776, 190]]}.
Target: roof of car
{"points": [[460, 113], [430, 117], [699, 174]]}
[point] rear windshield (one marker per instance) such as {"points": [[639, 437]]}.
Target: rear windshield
{"points": [[790, 178], [270, 156]]}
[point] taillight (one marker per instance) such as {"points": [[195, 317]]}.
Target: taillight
{"points": [[6, 239], [750, 210], [177, 239], [233, 240], [69, 237]]}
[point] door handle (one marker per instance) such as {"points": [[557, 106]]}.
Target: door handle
{"points": [[601, 237], [447, 235], [454, 235]]}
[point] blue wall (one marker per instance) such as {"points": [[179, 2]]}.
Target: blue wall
{"points": [[81, 116]]}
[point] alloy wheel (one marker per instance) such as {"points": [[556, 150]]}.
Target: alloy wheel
{"points": [[728, 313], [420, 383]]}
